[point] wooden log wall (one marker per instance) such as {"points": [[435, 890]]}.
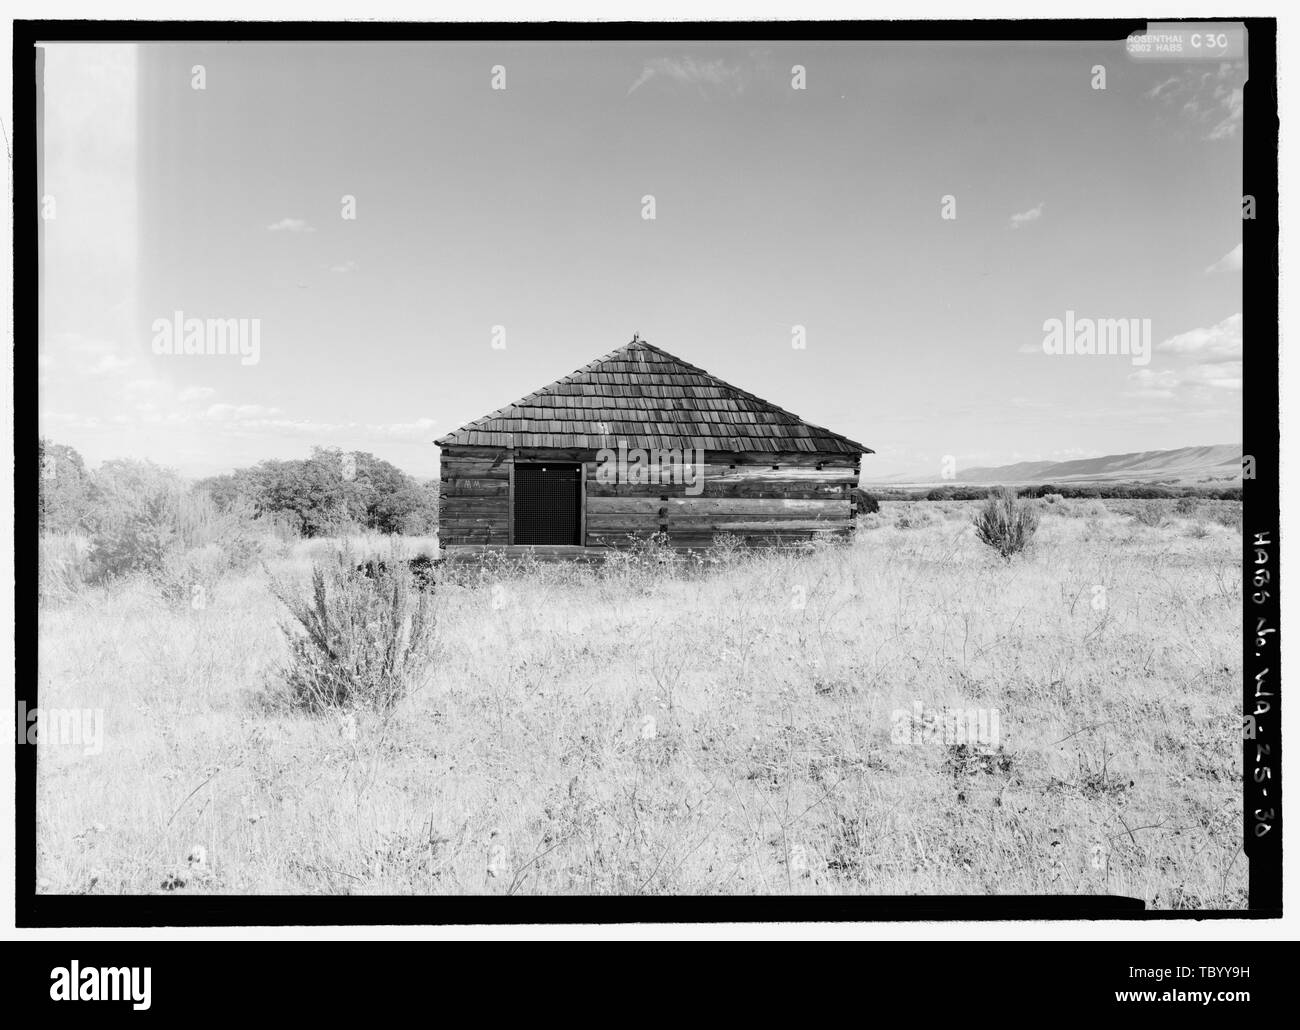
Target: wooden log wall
{"points": [[765, 499], [474, 497]]}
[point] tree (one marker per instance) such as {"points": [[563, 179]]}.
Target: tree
{"points": [[227, 490], [393, 499], [63, 494], [309, 490], [137, 516], [331, 489]]}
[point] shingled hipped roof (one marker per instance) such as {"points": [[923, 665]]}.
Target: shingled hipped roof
{"points": [[650, 399]]}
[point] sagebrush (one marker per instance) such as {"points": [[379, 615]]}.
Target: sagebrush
{"points": [[1006, 523], [358, 641]]}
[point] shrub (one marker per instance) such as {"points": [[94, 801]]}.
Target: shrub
{"points": [[1187, 506], [190, 577], [864, 503], [277, 536], [1053, 498], [640, 555], [357, 641], [1097, 528], [144, 519], [1227, 515], [1006, 523], [1151, 513], [63, 567], [135, 518], [205, 524], [912, 516], [243, 550], [1078, 509], [726, 548]]}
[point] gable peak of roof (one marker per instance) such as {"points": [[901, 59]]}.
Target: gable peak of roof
{"points": [[509, 425]]}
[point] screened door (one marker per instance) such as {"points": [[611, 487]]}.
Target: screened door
{"points": [[548, 504]]}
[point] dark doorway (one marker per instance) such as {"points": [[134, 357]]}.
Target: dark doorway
{"points": [[548, 504]]}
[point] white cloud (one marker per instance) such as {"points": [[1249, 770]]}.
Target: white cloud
{"points": [[686, 71], [1231, 107], [1031, 403], [1162, 88], [248, 419], [1225, 375], [346, 266], [69, 420], [1209, 100], [1212, 361], [110, 363], [196, 393], [290, 225], [1025, 217], [418, 430], [76, 356], [151, 403], [144, 387], [239, 412], [1221, 342], [1230, 262], [75, 343], [1152, 384]]}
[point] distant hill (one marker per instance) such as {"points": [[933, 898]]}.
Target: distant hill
{"points": [[1217, 462]]}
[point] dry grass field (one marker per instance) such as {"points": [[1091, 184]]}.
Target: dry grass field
{"points": [[742, 724]]}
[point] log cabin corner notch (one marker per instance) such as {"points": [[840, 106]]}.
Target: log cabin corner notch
{"points": [[534, 475]]}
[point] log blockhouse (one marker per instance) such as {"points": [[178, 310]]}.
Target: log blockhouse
{"points": [[635, 444]]}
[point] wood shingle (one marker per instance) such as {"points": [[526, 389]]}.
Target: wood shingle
{"points": [[650, 399]]}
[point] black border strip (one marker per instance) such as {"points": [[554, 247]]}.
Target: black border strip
{"points": [[1260, 496], [1261, 529]]}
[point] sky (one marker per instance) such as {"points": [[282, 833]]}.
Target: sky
{"points": [[914, 216]]}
